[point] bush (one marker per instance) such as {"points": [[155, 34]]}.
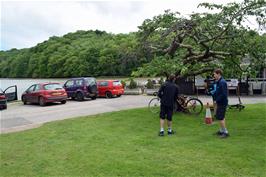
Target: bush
{"points": [[161, 81], [123, 82], [132, 84], [149, 84]]}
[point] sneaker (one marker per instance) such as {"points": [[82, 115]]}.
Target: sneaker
{"points": [[161, 133], [171, 132], [218, 133], [224, 135]]}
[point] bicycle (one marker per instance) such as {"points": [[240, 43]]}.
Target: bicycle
{"points": [[240, 105], [189, 105]]}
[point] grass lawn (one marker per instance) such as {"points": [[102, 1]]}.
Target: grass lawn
{"points": [[126, 143]]}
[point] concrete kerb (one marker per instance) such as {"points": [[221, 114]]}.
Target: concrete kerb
{"points": [[137, 91], [20, 128]]}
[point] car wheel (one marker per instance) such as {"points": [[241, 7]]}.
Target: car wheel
{"points": [[118, 95], [24, 100], [63, 102], [93, 98], [108, 95], [42, 101], [80, 96]]}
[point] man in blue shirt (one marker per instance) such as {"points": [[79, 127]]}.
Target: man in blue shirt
{"points": [[221, 101], [168, 94]]}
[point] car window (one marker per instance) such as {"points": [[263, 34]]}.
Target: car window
{"points": [[104, 83], [69, 83], [79, 82], [31, 88], [52, 87], [117, 83], [37, 88], [90, 81]]}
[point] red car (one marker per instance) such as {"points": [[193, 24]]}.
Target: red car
{"points": [[44, 93], [110, 88], [3, 100]]}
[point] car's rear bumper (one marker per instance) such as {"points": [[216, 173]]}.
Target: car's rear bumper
{"points": [[3, 104], [55, 98], [89, 95], [118, 92]]}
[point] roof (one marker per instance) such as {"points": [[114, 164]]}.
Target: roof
{"points": [[108, 81]]}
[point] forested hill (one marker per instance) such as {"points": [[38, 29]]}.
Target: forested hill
{"points": [[83, 53]]}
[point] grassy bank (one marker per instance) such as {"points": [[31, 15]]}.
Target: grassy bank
{"points": [[126, 143]]}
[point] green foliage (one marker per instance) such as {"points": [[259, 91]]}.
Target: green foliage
{"points": [[132, 84], [123, 82], [203, 41], [158, 66], [161, 81], [150, 84], [83, 53]]}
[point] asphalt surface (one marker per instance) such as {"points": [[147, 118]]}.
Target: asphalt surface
{"points": [[20, 117]]}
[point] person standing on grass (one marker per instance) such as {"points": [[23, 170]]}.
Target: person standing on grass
{"points": [[221, 101], [168, 94], [210, 86]]}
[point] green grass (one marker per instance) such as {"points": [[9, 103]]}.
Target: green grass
{"points": [[126, 143]]}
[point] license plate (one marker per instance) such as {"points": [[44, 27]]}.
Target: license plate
{"points": [[56, 93]]}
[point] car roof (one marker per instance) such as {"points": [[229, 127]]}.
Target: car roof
{"points": [[108, 81], [45, 83], [82, 78]]}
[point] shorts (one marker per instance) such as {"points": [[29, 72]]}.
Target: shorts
{"points": [[166, 111], [220, 112]]}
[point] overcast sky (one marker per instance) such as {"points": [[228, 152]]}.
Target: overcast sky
{"points": [[26, 23]]}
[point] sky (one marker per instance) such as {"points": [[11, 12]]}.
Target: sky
{"points": [[24, 24]]}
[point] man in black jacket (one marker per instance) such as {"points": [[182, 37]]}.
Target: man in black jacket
{"points": [[168, 94]]}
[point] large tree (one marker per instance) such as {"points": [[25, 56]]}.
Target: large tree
{"points": [[202, 41]]}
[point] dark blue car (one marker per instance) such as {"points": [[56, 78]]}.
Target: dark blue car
{"points": [[80, 88]]}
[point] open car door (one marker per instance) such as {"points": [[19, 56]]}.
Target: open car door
{"points": [[11, 93]]}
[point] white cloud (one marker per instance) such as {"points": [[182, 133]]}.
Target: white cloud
{"points": [[24, 24]]}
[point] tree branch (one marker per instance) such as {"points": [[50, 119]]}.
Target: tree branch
{"points": [[200, 71]]}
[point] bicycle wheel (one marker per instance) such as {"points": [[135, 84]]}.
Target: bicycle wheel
{"points": [[194, 106], [154, 105]]}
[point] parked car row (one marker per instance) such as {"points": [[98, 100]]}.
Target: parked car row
{"points": [[76, 89]]}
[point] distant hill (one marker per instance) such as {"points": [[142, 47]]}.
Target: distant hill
{"points": [[82, 53]]}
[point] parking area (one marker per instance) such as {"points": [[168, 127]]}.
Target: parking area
{"points": [[21, 117]]}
